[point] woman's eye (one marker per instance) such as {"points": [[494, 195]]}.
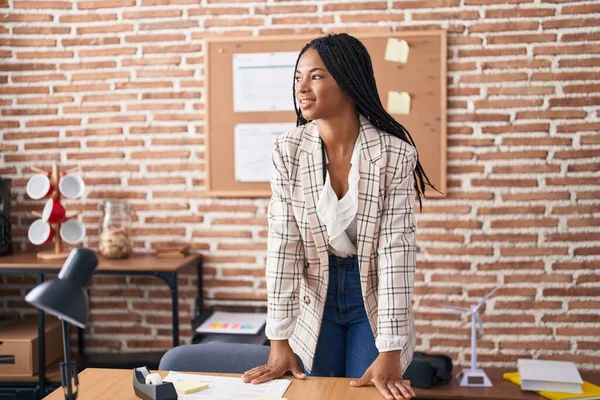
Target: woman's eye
{"points": [[317, 76], [297, 79]]}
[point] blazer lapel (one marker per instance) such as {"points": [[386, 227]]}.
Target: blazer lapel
{"points": [[311, 170], [368, 194]]}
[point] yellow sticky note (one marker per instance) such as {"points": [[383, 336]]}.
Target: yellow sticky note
{"points": [[270, 398], [187, 387], [398, 103], [396, 50]]}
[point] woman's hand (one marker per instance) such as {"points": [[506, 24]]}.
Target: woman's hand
{"points": [[281, 360], [386, 374]]}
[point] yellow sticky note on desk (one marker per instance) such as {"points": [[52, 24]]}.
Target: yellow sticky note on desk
{"points": [[396, 50], [187, 387], [270, 398], [398, 103]]}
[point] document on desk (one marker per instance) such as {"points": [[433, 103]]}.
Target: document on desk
{"points": [[225, 388]]}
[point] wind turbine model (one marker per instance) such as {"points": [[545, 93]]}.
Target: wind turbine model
{"points": [[472, 376]]}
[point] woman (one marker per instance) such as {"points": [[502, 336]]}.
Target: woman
{"points": [[341, 248]]}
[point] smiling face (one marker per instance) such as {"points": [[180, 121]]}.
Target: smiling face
{"points": [[318, 95]]}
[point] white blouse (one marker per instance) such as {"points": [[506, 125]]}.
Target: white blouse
{"points": [[339, 217]]}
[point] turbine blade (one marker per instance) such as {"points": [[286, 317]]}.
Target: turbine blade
{"points": [[461, 309], [487, 296], [480, 323]]}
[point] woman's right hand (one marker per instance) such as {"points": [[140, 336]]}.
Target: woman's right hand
{"points": [[281, 360]]}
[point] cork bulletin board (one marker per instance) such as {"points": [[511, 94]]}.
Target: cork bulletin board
{"points": [[423, 77]]}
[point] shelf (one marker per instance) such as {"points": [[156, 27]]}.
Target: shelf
{"points": [[52, 375]]}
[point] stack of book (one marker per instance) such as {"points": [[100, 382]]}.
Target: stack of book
{"points": [[555, 380], [174, 250]]}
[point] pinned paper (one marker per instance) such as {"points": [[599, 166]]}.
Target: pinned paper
{"points": [[396, 50], [187, 387], [398, 103]]}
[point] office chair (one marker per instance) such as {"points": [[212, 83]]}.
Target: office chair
{"points": [[235, 358]]}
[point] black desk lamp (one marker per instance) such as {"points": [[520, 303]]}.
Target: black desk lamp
{"points": [[67, 299]]}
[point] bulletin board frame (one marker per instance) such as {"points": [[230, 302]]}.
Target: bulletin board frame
{"points": [[424, 77]]}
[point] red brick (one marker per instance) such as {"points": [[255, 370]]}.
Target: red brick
{"points": [[94, 5], [181, 48], [581, 127], [112, 51], [87, 17], [530, 38], [55, 5], [523, 223], [573, 49], [512, 64], [27, 42], [88, 65], [533, 251], [517, 128], [27, 18], [489, 78], [46, 100], [103, 41], [570, 23], [514, 12], [551, 114], [352, 6], [478, 52], [513, 155], [504, 182], [139, 14], [39, 78], [425, 4], [504, 26], [523, 169]]}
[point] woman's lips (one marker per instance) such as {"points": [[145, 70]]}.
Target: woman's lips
{"points": [[307, 104]]}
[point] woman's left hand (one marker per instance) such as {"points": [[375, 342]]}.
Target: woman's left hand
{"points": [[386, 373]]}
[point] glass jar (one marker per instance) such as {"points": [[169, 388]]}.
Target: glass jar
{"points": [[115, 229]]}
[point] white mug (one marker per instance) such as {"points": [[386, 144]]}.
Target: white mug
{"points": [[72, 232], [39, 186], [71, 186], [40, 232]]}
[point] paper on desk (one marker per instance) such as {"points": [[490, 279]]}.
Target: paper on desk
{"points": [[225, 388]]}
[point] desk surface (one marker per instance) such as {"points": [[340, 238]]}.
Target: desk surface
{"points": [[117, 384], [136, 261]]}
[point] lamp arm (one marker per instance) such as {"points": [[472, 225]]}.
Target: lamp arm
{"points": [[68, 369]]}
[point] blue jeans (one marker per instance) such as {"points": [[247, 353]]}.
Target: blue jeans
{"points": [[346, 346]]}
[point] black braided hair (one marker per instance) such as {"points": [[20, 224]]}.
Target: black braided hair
{"points": [[348, 61]]}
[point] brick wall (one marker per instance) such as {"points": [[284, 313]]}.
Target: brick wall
{"points": [[117, 86]]}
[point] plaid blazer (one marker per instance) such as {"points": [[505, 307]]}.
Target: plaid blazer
{"points": [[297, 271]]}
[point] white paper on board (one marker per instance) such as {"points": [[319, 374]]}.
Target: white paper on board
{"points": [[253, 146], [263, 81]]}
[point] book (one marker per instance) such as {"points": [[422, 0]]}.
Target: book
{"points": [[551, 376], [231, 322], [590, 391]]}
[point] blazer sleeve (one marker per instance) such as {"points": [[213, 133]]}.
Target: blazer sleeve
{"points": [[397, 250], [285, 249]]}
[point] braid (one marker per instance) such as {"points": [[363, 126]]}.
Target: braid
{"points": [[348, 61]]}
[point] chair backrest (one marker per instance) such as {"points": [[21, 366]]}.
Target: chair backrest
{"points": [[215, 357]]}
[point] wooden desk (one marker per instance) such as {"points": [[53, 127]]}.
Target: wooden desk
{"points": [[117, 384], [136, 264], [102, 384]]}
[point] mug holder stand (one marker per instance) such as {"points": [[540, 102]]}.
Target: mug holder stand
{"points": [[58, 253]]}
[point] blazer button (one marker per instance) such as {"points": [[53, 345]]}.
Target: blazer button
{"points": [[307, 299]]}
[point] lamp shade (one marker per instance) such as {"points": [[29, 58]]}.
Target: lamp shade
{"points": [[66, 297]]}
